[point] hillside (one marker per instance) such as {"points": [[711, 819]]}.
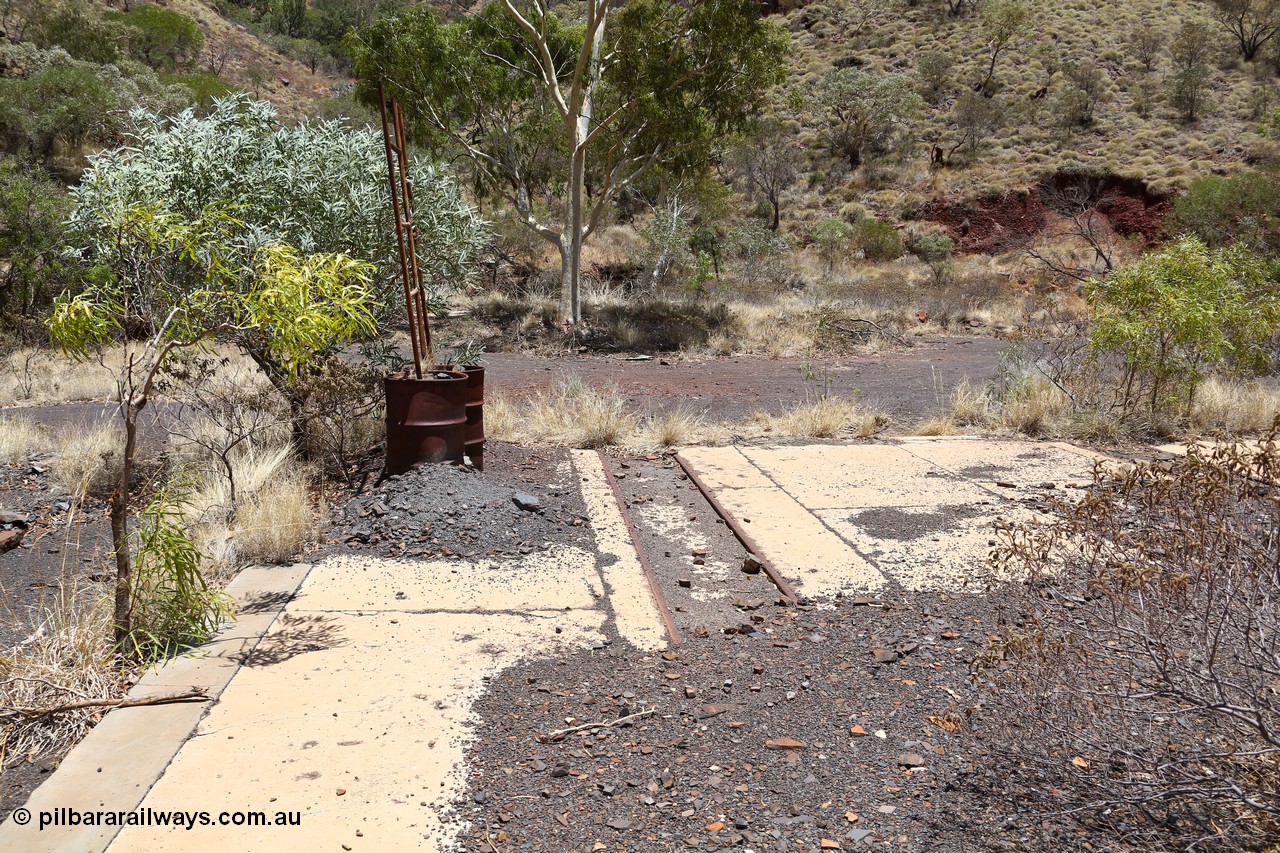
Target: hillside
{"points": [[1136, 132], [248, 62]]}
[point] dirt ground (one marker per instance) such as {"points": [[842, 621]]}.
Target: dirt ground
{"points": [[906, 383]]}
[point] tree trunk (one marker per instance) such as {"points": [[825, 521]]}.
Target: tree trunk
{"points": [[118, 506], [572, 240], [566, 278]]}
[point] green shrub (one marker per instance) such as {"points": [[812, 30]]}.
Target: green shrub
{"points": [[1174, 315], [935, 250], [160, 37], [32, 209], [831, 236], [1242, 209], [205, 88], [59, 103], [173, 606], [879, 241], [81, 33]]}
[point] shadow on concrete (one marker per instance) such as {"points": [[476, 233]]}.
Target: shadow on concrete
{"points": [[292, 636]]}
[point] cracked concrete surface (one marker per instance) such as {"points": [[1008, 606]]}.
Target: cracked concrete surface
{"points": [[913, 514]]}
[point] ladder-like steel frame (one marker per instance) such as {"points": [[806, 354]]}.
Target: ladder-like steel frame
{"points": [[415, 298]]}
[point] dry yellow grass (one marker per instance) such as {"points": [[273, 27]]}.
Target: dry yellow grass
{"points": [[43, 376], [271, 518], [830, 417], [578, 416], [20, 438], [574, 415], [67, 657], [1036, 407], [1236, 407], [274, 523], [86, 460], [934, 426], [672, 429], [970, 406]]}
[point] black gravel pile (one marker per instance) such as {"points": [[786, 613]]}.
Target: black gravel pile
{"points": [[447, 510]]}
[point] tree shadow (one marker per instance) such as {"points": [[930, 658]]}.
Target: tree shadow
{"points": [[265, 602], [293, 636]]}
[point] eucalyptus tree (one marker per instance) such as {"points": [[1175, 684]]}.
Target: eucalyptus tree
{"points": [[561, 109], [860, 110]]}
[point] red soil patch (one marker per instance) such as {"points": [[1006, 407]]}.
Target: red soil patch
{"points": [[999, 223], [991, 225]]}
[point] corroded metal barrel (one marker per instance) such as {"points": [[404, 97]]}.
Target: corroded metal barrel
{"points": [[426, 419], [475, 414]]}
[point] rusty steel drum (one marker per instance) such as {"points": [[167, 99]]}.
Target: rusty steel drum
{"points": [[426, 419], [475, 414]]}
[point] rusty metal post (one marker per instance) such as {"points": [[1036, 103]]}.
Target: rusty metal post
{"points": [[415, 305]]}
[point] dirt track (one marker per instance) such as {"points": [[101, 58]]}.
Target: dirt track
{"points": [[906, 383]]}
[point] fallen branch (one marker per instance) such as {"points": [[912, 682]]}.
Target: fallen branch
{"points": [[32, 680], [864, 334], [553, 737], [196, 693]]}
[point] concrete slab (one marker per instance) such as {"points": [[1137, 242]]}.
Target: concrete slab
{"points": [[115, 765], [360, 727], [915, 513], [925, 548], [559, 577], [827, 477], [810, 555], [344, 697], [635, 612]]}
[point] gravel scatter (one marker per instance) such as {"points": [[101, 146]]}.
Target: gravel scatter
{"points": [[795, 737], [524, 502]]}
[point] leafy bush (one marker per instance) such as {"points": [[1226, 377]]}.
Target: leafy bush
{"points": [[61, 103], [1243, 209], [173, 605], [65, 101], [159, 37], [81, 33], [318, 186], [879, 241], [32, 208], [832, 236], [1136, 693], [205, 88], [1178, 313], [935, 250]]}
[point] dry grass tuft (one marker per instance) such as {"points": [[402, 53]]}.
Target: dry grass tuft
{"points": [[274, 523], [68, 657], [574, 415], [680, 428], [934, 426], [1235, 407], [19, 439], [1035, 407], [970, 406], [86, 461], [830, 417], [44, 376], [271, 517]]}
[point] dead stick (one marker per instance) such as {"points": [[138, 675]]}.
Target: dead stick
{"points": [[162, 699], [562, 733]]}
